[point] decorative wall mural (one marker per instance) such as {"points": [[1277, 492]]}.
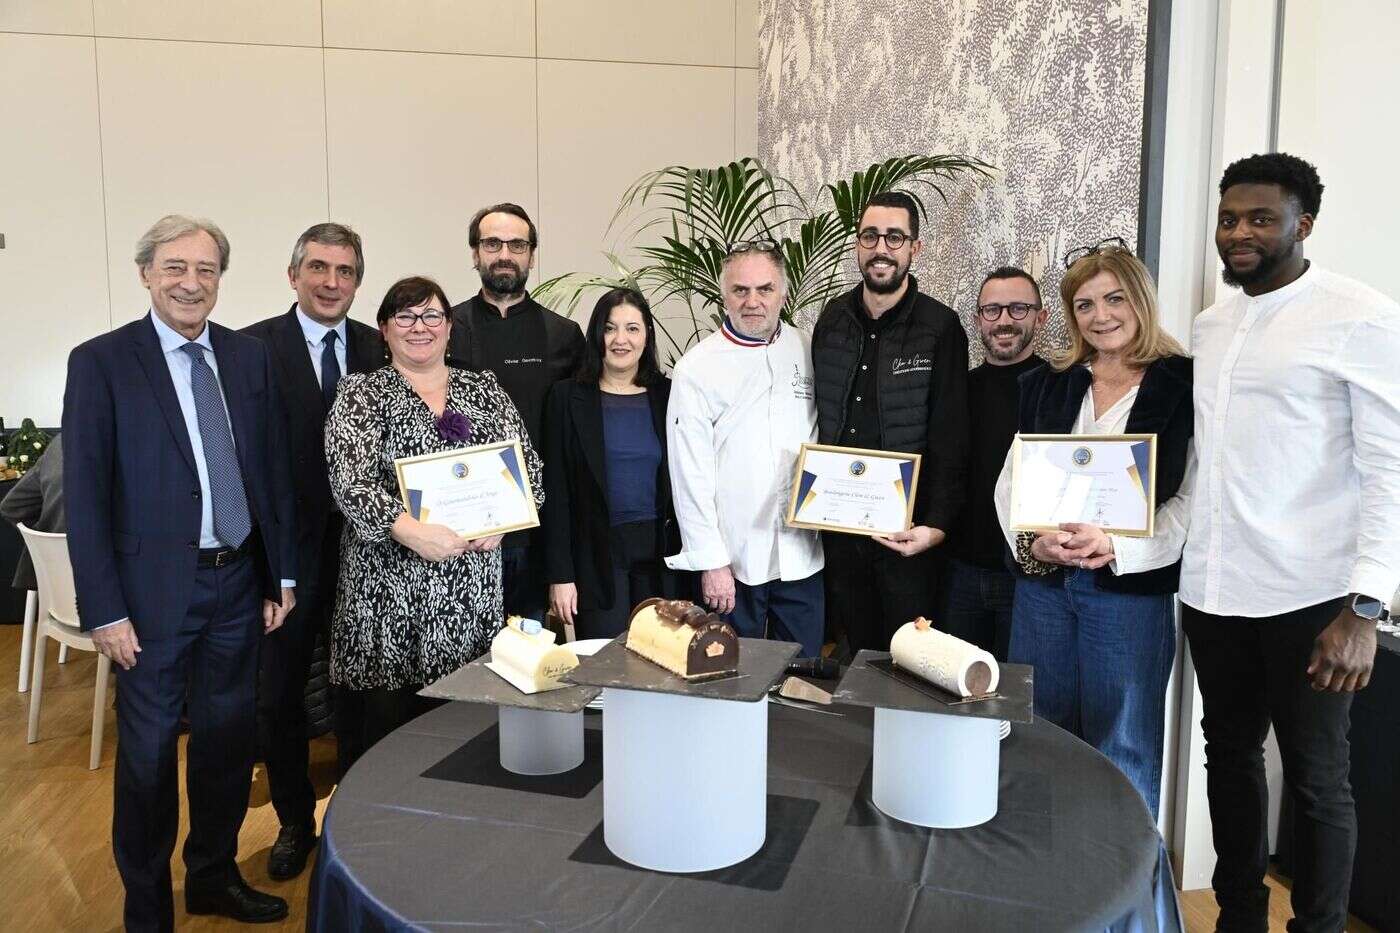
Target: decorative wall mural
{"points": [[1050, 91]]}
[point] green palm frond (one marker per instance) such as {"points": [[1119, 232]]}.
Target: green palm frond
{"points": [[679, 222]]}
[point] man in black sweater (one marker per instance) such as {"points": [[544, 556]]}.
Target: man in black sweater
{"points": [[978, 587], [891, 374], [527, 346]]}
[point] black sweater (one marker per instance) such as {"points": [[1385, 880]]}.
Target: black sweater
{"points": [[992, 405]]}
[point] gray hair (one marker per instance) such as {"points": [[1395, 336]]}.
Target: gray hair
{"points": [[172, 227], [772, 255], [330, 234]]}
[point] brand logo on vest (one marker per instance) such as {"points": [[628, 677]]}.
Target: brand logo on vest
{"points": [[911, 364]]}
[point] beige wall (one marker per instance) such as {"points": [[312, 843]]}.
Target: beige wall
{"points": [[399, 118]]}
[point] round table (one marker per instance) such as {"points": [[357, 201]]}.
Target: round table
{"points": [[427, 831]]}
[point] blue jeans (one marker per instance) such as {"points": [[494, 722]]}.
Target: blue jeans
{"points": [[977, 606], [796, 610], [1102, 660]]}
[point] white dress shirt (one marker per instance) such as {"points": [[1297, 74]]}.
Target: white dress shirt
{"points": [[1297, 398], [740, 411], [315, 333]]}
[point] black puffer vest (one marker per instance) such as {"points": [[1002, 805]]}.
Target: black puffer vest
{"points": [[1050, 403], [906, 360]]}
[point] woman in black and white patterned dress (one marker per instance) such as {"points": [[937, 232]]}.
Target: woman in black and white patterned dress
{"points": [[416, 601]]}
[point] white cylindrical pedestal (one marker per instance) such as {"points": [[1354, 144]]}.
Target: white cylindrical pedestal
{"points": [[685, 780], [936, 770], [538, 742]]}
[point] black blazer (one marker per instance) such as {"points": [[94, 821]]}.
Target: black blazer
{"points": [[37, 501], [131, 490], [304, 408], [1050, 402], [575, 520]]}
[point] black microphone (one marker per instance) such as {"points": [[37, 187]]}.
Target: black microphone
{"points": [[819, 668]]}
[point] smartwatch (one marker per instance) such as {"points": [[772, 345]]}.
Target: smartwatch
{"points": [[1369, 608]]}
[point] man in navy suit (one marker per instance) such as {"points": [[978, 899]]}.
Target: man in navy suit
{"points": [[182, 539], [312, 346]]}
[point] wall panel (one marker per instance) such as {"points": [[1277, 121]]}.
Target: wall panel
{"points": [[506, 27]]}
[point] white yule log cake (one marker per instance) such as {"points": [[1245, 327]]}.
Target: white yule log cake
{"points": [[944, 660], [525, 656]]}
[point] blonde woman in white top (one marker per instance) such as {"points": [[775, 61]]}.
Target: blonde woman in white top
{"points": [[1093, 611]]}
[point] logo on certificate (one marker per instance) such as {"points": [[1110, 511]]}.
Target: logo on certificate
{"points": [[459, 470], [1082, 456], [857, 467]]}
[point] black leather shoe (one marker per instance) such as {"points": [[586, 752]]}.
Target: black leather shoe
{"points": [[290, 851], [236, 901]]}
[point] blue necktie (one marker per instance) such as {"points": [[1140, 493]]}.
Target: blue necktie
{"points": [[330, 368], [229, 502]]}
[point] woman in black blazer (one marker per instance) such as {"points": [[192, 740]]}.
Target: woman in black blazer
{"points": [[1093, 611], [608, 519]]}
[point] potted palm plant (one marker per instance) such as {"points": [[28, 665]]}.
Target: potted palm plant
{"points": [[681, 221]]}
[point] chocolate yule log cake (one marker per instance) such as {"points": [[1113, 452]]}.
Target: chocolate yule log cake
{"points": [[683, 638]]}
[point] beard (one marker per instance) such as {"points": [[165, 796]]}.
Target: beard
{"points": [[885, 288], [504, 277], [1024, 337], [1268, 265]]}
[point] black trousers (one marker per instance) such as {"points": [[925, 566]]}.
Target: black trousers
{"points": [[363, 717], [211, 660], [636, 575], [871, 591], [1252, 672], [284, 663]]}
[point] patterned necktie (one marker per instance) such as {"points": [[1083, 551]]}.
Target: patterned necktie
{"points": [[330, 368], [229, 501]]}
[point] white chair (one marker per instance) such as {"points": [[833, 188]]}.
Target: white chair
{"points": [[57, 618], [26, 639]]}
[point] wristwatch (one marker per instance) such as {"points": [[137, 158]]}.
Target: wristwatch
{"points": [[1369, 608]]}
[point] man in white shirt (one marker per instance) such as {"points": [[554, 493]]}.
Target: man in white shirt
{"points": [[1293, 546], [741, 407]]}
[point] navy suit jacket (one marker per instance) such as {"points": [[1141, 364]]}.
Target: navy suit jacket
{"points": [[132, 491]]}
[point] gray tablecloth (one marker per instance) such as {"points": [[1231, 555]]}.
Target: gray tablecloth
{"points": [[428, 832]]}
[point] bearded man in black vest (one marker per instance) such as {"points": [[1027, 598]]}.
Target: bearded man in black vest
{"points": [[891, 374]]}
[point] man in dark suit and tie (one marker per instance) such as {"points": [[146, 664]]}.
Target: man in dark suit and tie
{"points": [[311, 346], [182, 538]]}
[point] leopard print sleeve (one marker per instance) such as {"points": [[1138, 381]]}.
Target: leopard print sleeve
{"points": [[355, 440]]}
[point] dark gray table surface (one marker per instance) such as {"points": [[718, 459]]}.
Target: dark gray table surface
{"points": [[423, 833]]}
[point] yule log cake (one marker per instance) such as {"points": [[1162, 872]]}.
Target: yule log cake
{"points": [[683, 638], [947, 661], [525, 655]]}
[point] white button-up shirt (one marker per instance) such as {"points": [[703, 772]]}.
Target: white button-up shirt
{"points": [[740, 411], [1297, 499]]}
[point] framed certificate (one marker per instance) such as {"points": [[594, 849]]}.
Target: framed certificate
{"points": [[1109, 480], [861, 492], [475, 491]]}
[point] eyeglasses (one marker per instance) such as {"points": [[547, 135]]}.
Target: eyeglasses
{"points": [[752, 246], [432, 318], [1106, 245], [1017, 309], [493, 244], [871, 238]]}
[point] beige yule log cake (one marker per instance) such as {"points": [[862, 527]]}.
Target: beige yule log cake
{"points": [[525, 655], [683, 638], [944, 660]]}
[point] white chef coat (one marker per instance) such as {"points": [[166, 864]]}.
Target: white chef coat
{"points": [[740, 411]]}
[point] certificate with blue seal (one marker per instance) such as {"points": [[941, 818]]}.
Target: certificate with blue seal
{"points": [[851, 490], [476, 491], [1109, 480]]}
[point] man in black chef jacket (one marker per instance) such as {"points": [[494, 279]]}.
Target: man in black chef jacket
{"points": [[528, 347]]}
